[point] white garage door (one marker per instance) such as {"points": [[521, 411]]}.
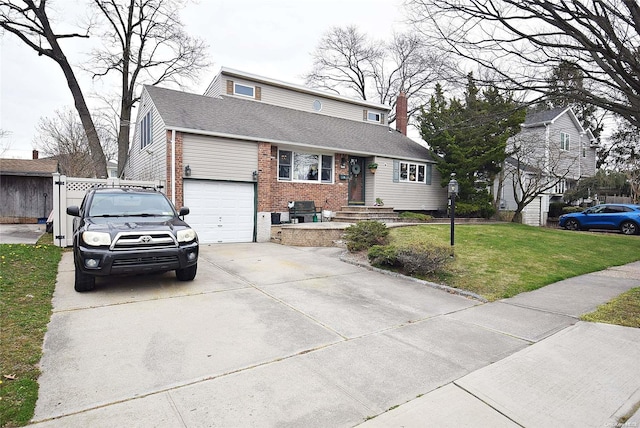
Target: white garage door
{"points": [[220, 211]]}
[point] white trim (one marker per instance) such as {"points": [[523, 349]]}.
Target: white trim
{"points": [[173, 167]]}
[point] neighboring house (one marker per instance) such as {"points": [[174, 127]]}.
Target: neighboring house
{"points": [[252, 144], [552, 145], [26, 187]]}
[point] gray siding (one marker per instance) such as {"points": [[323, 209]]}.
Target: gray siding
{"points": [[148, 163], [215, 88], [290, 98], [219, 159], [404, 196]]}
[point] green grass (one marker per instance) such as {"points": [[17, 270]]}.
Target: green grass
{"points": [[27, 280], [623, 310], [501, 260]]}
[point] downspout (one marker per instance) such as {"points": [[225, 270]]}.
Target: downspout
{"points": [[173, 167]]}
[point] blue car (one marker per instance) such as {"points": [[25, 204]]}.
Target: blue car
{"points": [[622, 217]]}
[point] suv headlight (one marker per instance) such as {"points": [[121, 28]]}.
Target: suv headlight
{"points": [[96, 239], [186, 235]]}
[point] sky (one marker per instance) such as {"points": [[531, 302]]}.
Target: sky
{"points": [[271, 38]]}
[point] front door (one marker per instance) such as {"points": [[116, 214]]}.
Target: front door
{"points": [[356, 180]]}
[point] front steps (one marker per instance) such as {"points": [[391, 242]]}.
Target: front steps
{"points": [[356, 213]]}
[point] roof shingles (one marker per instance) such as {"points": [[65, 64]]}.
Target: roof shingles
{"points": [[248, 119]]}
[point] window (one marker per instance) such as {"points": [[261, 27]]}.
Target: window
{"points": [[317, 105], [299, 166], [146, 130], [564, 141], [415, 172], [247, 91], [373, 117], [584, 151]]}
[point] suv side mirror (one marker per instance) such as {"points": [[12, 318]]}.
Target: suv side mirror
{"points": [[73, 210], [184, 211]]}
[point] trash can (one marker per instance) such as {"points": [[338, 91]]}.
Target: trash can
{"points": [[275, 218]]}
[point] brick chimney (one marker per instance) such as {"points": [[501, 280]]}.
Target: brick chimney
{"points": [[401, 113], [34, 154]]}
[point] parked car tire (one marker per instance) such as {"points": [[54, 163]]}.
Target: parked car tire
{"points": [[629, 228], [187, 274], [572, 225], [84, 282]]}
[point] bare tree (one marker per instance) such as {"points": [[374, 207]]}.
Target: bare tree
{"points": [[521, 40], [532, 169], [144, 41], [29, 21], [625, 155], [63, 138], [4, 146], [348, 60]]}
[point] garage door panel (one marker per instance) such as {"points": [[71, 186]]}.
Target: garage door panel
{"points": [[221, 211]]}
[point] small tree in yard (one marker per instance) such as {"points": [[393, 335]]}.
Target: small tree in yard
{"points": [[531, 171]]}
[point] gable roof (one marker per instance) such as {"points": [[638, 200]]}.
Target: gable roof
{"points": [[544, 117], [250, 120], [29, 167]]}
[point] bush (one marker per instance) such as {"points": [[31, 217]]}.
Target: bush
{"points": [[555, 209], [570, 209], [365, 234], [482, 210], [414, 216], [383, 255], [421, 259]]}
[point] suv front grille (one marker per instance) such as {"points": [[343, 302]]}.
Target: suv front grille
{"points": [[142, 240], [138, 261]]}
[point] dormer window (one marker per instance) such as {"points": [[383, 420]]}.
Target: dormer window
{"points": [[244, 90], [373, 117]]}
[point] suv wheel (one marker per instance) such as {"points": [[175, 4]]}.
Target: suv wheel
{"points": [[84, 282], [187, 274]]}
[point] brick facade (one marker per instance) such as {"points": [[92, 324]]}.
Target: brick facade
{"points": [[274, 195], [179, 197]]}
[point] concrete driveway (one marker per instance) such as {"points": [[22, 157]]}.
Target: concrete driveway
{"points": [[269, 335]]}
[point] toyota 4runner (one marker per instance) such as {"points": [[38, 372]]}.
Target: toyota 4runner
{"points": [[130, 231]]}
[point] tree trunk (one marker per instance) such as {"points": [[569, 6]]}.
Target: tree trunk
{"points": [[97, 154], [123, 135]]}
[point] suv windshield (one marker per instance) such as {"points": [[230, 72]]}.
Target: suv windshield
{"points": [[130, 205]]}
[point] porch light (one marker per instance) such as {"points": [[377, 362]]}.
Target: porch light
{"points": [[187, 171], [254, 174]]}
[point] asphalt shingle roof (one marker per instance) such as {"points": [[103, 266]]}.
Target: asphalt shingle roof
{"points": [[32, 167], [541, 117], [260, 121]]}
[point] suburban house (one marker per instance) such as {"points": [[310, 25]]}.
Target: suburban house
{"points": [[553, 145], [26, 190], [251, 145]]}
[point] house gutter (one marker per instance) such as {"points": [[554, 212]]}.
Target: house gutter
{"points": [[173, 167]]}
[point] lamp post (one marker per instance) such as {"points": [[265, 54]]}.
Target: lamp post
{"points": [[453, 191]]}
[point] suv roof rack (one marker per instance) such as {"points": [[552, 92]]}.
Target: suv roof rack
{"points": [[125, 186]]}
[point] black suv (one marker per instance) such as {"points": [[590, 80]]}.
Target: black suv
{"points": [[129, 231]]}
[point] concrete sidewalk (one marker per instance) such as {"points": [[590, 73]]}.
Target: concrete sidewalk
{"points": [[272, 335], [21, 233]]}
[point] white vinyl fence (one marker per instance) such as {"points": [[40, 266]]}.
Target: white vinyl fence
{"points": [[69, 191]]}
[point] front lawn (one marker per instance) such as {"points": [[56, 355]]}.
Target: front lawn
{"points": [[27, 279], [501, 260]]}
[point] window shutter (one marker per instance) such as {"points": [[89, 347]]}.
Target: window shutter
{"points": [[396, 171], [258, 93], [364, 115], [428, 175], [382, 118], [229, 87]]}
